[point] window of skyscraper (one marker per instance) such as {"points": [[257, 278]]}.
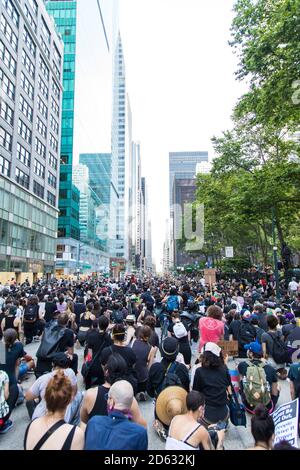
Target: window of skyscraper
{"points": [[8, 33]]}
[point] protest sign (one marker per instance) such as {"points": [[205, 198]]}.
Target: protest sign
{"points": [[286, 423]]}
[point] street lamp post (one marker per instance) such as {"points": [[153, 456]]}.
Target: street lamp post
{"points": [[275, 249]]}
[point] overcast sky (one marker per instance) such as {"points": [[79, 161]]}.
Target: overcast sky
{"points": [[180, 77]]}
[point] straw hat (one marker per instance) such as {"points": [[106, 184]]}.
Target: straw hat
{"points": [[171, 402]]}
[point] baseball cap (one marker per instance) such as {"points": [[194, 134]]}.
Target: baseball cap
{"points": [[213, 348], [61, 360], [246, 315], [254, 347]]}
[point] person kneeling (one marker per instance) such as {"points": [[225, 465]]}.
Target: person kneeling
{"points": [[258, 380]]}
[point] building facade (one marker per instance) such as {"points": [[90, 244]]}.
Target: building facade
{"points": [[121, 130], [64, 14], [182, 186], [31, 53], [103, 194]]}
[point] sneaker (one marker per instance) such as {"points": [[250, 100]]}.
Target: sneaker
{"points": [[7, 426]]}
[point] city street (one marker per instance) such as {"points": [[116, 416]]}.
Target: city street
{"points": [[236, 438]]}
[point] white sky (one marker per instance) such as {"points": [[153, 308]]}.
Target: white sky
{"points": [[180, 79]]}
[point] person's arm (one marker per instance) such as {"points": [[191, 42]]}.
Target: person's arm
{"points": [[78, 440], [6, 390], [151, 357], [275, 389], [205, 440], [264, 348], [3, 324], [137, 416], [86, 407], [292, 390]]}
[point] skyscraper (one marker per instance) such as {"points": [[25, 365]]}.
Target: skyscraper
{"points": [[100, 183], [121, 130], [31, 54], [64, 13], [182, 186]]}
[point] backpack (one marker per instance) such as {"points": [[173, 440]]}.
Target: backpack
{"points": [[247, 333], [51, 338], [118, 317], [179, 330], [30, 314], [280, 351], [256, 387], [172, 303], [170, 378]]}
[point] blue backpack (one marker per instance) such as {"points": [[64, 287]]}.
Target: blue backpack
{"points": [[172, 303]]}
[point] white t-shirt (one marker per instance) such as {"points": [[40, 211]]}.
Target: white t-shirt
{"points": [[38, 389], [4, 408], [293, 285]]}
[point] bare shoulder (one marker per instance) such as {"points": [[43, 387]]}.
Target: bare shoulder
{"points": [[78, 439]]}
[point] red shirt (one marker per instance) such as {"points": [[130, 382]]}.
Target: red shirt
{"points": [[211, 331]]}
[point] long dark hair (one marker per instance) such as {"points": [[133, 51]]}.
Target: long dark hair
{"points": [[115, 369], [10, 336], [211, 361]]}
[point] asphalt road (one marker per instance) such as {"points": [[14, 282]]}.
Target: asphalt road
{"points": [[235, 438]]}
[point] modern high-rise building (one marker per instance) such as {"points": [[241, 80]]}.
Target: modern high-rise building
{"points": [[31, 57], [145, 232], [121, 148], [100, 182], [93, 225], [182, 187], [134, 204], [89, 30], [64, 14]]}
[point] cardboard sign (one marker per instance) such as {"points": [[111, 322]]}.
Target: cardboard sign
{"points": [[210, 276], [229, 251], [286, 423], [229, 348]]}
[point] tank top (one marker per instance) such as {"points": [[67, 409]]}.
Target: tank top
{"points": [[175, 444], [100, 406], [142, 351], [86, 322], [66, 445], [9, 323]]}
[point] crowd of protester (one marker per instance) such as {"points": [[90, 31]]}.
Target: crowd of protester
{"points": [[136, 337]]}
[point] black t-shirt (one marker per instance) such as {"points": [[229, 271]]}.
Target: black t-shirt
{"points": [[234, 328], [78, 310], [95, 340], [271, 375], [124, 351], [213, 383], [157, 373], [50, 308], [11, 358], [154, 340], [294, 336], [67, 341], [185, 339]]}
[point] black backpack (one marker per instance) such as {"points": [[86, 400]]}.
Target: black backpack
{"points": [[170, 378], [50, 342], [31, 313], [247, 333], [117, 316], [280, 351]]}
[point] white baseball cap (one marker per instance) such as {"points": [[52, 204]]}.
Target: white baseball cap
{"points": [[213, 348]]}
